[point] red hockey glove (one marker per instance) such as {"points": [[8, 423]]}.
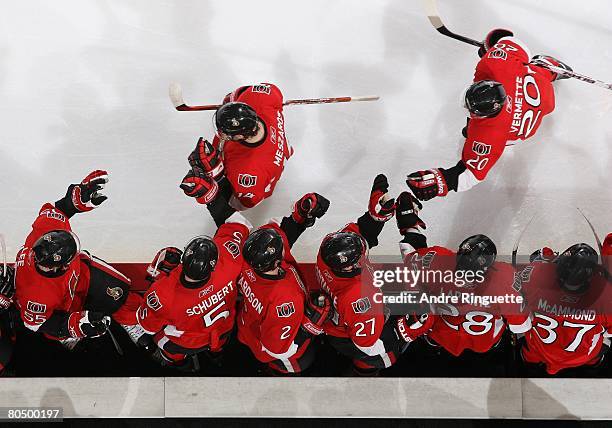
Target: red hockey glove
{"points": [[88, 324], [7, 287], [407, 214], [197, 184], [308, 208], [316, 312], [207, 157], [379, 207], [85, 196], [607, 245], [164, 262], [409, 327], [428, 184], [492, 38], [545, 254]]}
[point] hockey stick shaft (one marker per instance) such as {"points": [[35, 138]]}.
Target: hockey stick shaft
{"points": [[3, 250], [115, 342], [434, 17], [176, 96], [518, 241]]}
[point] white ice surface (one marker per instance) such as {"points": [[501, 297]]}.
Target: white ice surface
{"points": [[84, 85]]}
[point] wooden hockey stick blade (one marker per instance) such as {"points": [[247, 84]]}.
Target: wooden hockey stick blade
{"points": [[431, 6], [176, 94]]}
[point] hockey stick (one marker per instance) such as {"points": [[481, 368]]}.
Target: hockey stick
{"points": [[3, 249], [594, 233], [176, 96], [115, 342], [518, 240], [431, 7]]}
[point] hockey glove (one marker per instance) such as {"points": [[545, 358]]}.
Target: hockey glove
{"points": [[87, 324], [545, 254], [197, 184], [207, 157], [544, 60], [379, 207], [492, 38], [316, 312], [84, 196], [407, 214], [310, 207], [606, 248], [164, 262], [410, 327], [7, 287], [428, 184]]}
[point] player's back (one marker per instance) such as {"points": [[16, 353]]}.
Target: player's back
{"points": [[254, 170], [529, 88], [268, 308], [568, 329], [474, 321], [196, 316]]}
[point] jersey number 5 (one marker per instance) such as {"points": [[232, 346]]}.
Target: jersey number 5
{"points": [[208, 318]]}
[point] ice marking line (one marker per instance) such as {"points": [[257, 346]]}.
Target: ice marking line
{"points": [[130, 397]]}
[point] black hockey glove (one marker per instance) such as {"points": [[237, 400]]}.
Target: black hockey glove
{"points": [[84, 196], [310, 207], [7, 286]]}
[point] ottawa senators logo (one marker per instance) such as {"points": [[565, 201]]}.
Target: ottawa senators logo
{"points": [[481, 148], [261, 89], [285, 310], [115, 292], [362, 305], [233, 248], [35, 307], [153, 301], [247, 180]]}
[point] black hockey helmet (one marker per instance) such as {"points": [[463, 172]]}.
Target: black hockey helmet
{"points": [[236, 118], [485, 98], [343, 252], [263, 250], [54, 251], [199, 259], [476, 253], [575, 267]]}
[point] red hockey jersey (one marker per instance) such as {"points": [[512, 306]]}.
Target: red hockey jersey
{"points": [[472, 322], [569, 330], [254, 171], [194, 318], [531, 96], [357, 316], [272, 311], [38, 296]]}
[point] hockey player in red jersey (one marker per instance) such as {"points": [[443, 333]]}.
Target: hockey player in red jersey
{"points": [[507, 102], [64, 292], [360, 327], [277, 318], [570, 300], [472, 325], [250, 148], [191, 305], [7, 332]]}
